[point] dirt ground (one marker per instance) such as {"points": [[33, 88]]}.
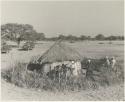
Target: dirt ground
{"points": [[11, 92], [91, 49]]}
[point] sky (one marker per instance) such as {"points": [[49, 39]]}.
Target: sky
{"points": [[67, 17]]}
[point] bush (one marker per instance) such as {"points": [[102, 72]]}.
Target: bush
{"points": [[100, 43], [20, 76]]}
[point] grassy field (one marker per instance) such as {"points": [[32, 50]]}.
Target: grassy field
{"points": [[91, 49]]}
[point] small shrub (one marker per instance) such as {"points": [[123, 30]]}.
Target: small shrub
{"points": [[101, 43]]}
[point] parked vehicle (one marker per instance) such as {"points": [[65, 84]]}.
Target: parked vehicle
{"points": [[28, 45]]}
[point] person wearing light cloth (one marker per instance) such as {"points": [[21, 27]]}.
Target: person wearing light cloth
{"points": [[107, 61], [76, 67], [113, 62]]}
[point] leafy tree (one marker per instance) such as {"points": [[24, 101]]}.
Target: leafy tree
{"points": [[40, 36], [100, 37], [83, 37], [115, 38], [18, 32], [71, 37], [62, 37], [121, 37]]}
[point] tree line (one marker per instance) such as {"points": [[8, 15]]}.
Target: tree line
{"points": [[20, 32], [83, 37]]}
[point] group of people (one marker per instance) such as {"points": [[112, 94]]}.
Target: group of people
{"points": [[109, 62], [74, 68], [65, 69]]}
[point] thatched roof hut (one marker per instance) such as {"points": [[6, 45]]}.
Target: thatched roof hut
{"points": [[58, 52]]}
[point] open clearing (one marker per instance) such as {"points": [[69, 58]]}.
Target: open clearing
{"points": [[88, 49]]}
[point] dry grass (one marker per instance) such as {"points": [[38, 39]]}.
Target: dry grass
{"points": [[98, 76]]}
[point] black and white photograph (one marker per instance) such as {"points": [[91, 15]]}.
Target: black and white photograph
{"points": [[65, 50]]}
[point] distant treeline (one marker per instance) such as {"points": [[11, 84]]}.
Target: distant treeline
{"points": [[83, 37], [19, 32]]}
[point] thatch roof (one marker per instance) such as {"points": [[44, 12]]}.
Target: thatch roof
{"points": [[59, 52]]}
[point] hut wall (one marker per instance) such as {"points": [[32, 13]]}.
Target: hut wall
{"points": [[46, 68]]}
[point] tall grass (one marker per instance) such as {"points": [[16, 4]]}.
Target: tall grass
{"points": [[20, 76]]}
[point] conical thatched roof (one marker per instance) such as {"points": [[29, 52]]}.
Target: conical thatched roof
{"points": [[59, 52]]}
